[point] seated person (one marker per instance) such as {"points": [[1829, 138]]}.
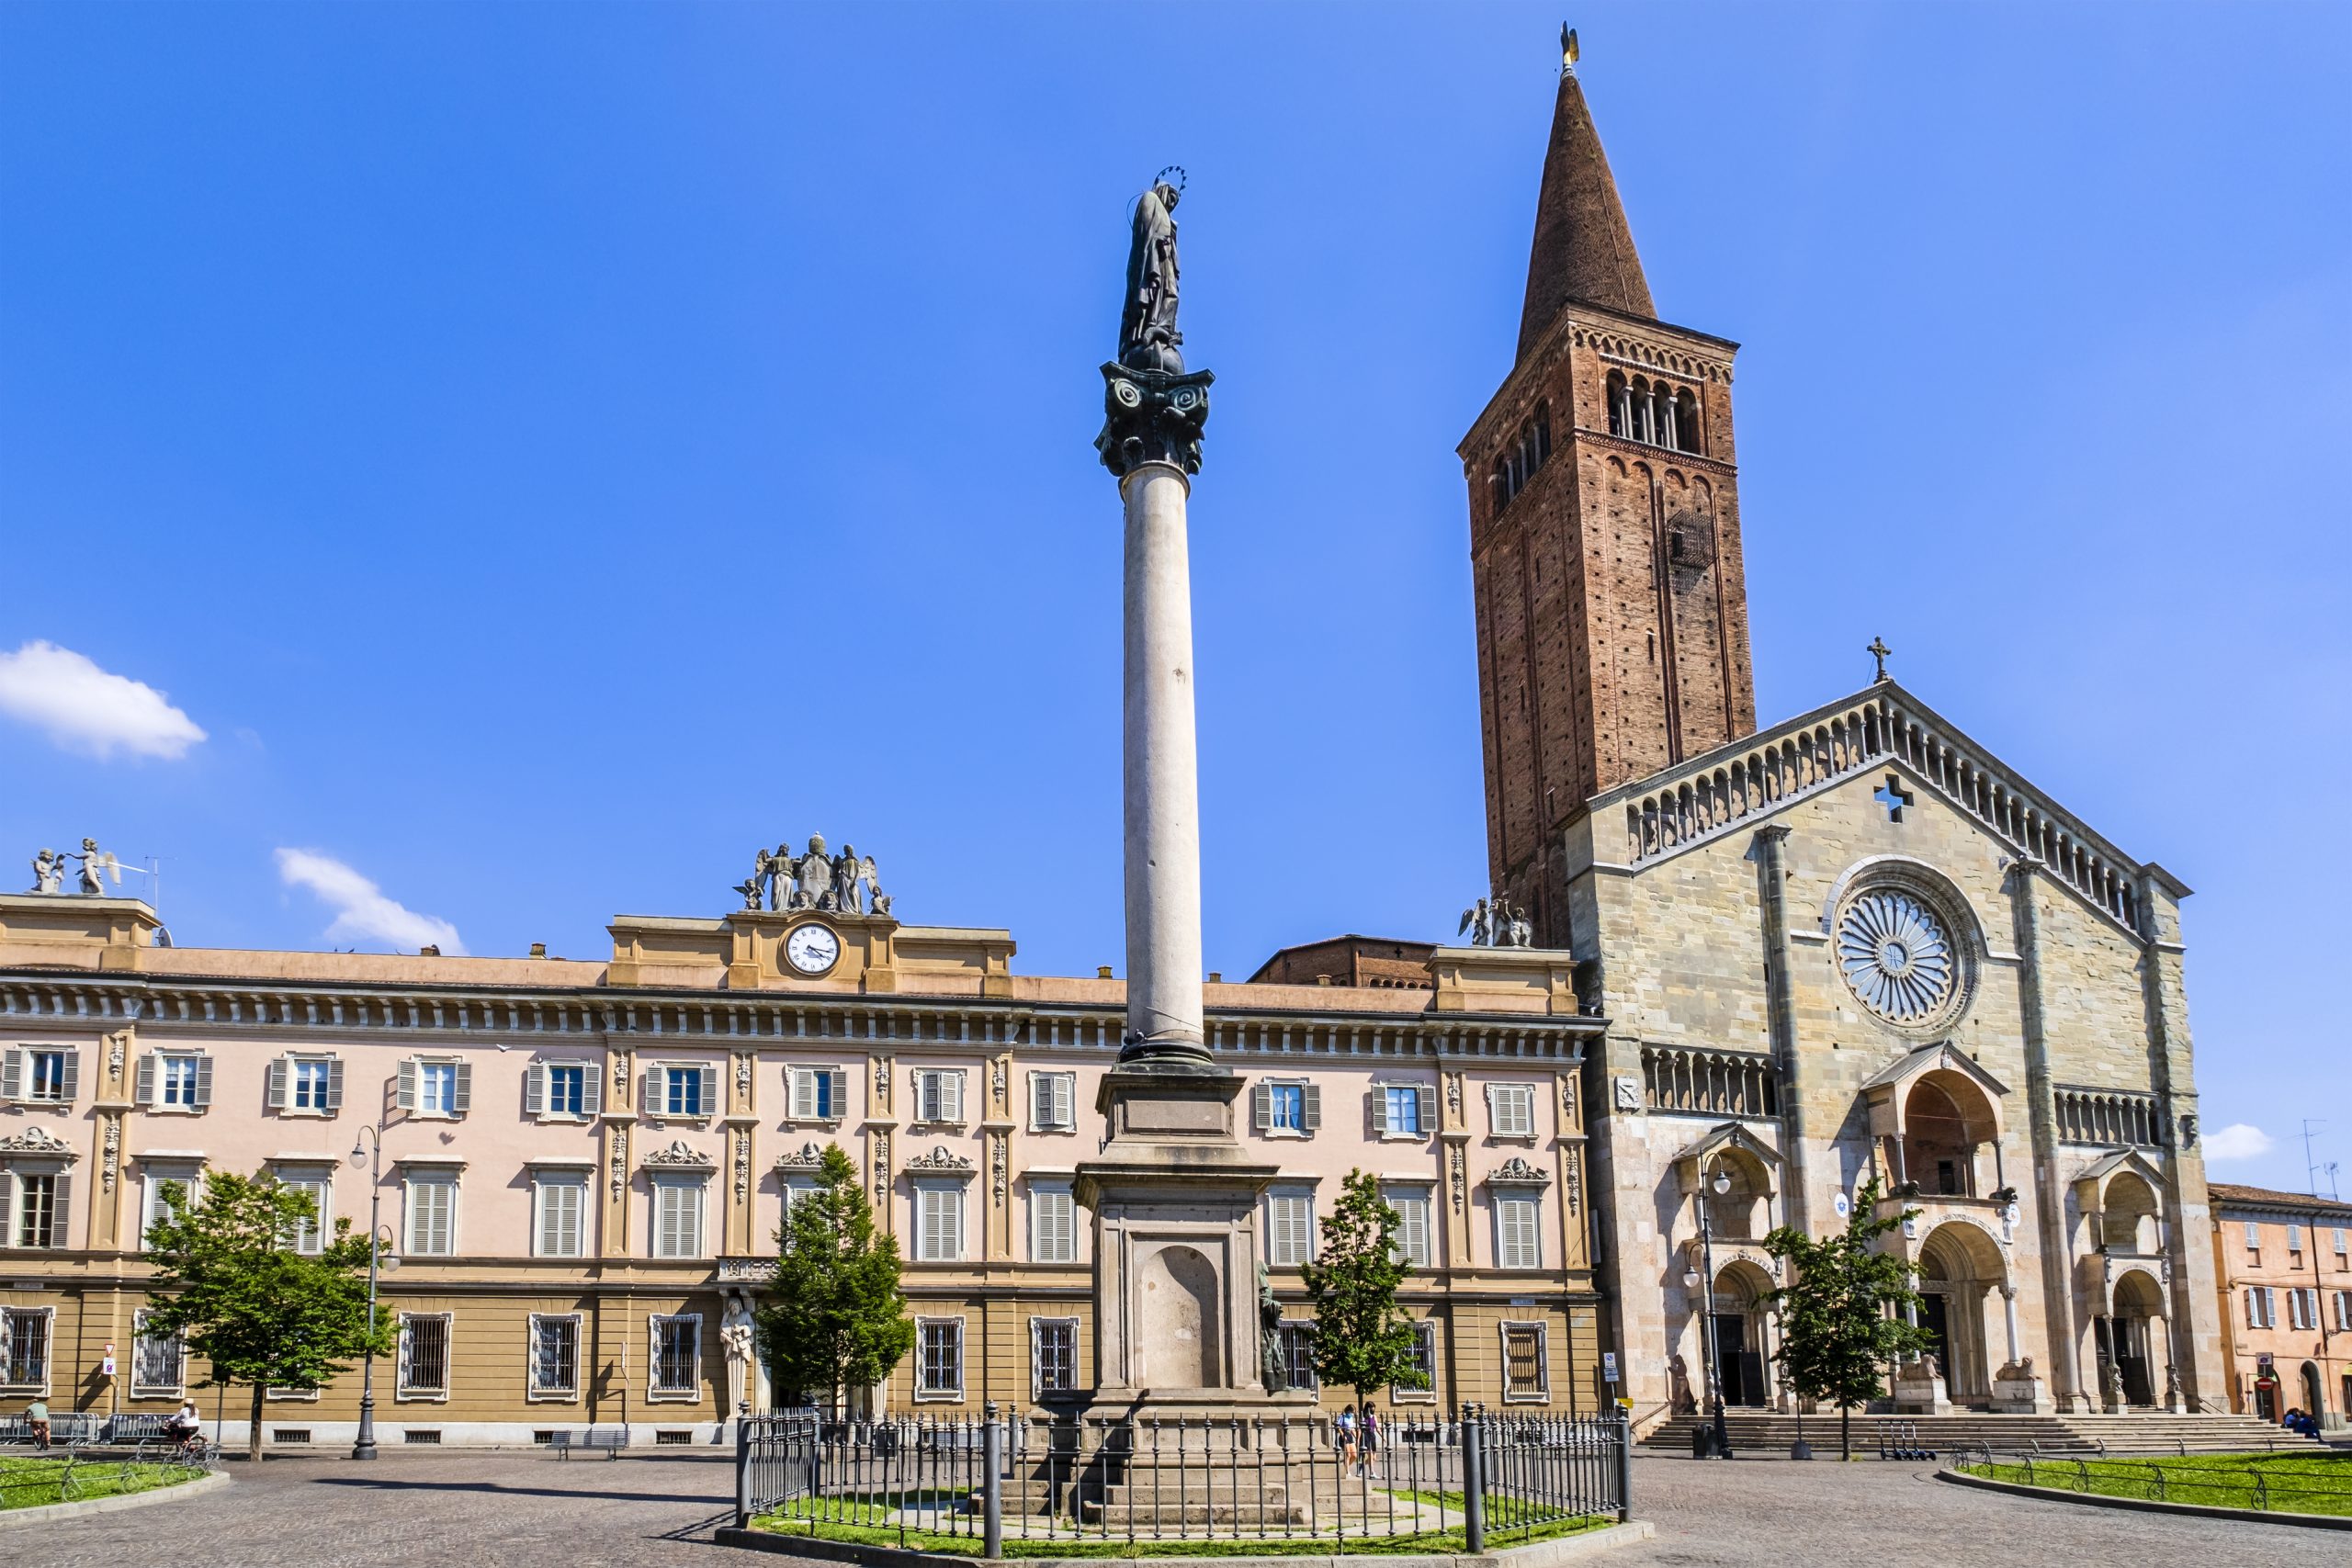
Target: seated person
{"points": [[36, 1422]]}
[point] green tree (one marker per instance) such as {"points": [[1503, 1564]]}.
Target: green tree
{"points": [[1844, 1314], [1362, 1339], [258, 1312], [835, 1318]]}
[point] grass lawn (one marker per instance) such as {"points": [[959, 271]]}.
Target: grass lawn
{"points": [[801, 1517], [29, 1480], [2281, 1484]]}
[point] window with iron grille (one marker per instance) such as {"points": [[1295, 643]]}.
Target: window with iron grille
{"points": [[24, 1347], [555, 1355], [158, 1362], [939, 1358], [1298, 1355], [1525, 1375], [1424, 1362], [1053, 1355], [424, 1355], [1053, 1224], [677, 1356], [1290, 1228]]}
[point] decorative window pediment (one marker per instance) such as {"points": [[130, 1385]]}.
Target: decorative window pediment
{"points": [[808, 1158], [941, 1158], [1517, 1171], [37, 1143], [680, 1156]]}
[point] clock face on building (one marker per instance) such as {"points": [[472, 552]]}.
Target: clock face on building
{"points": [[812, 947]]}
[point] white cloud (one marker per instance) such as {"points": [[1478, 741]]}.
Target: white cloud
{"points": [[85, 709], [2239, 1140], [360, 907]]}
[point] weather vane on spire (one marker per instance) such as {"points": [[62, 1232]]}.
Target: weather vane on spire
{"points": [[1568, 48]]}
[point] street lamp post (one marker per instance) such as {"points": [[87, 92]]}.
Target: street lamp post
{"points": [[368, 1150], [1706, 1287]]}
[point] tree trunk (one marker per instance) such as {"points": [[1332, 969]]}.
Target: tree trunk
{"points": [[252, 1436], [1845, 1432]]}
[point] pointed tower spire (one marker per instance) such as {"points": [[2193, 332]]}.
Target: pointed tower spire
{"points": [[1583, 249]]}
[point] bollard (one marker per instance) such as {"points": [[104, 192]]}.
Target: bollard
{"points": [[743, 1475], [1474, 1481], [992, 1485], [1624, 1463]]}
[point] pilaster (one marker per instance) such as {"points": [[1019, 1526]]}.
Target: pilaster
{"points": [[1772, 856], [112, 1072], [618, 1119], [2056, 1249], [2197, 1348]]}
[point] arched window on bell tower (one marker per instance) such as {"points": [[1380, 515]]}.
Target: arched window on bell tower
{"points": [[1620, 406], [1686, 420]]}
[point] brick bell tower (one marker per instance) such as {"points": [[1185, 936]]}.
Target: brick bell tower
{"points": [[1604, 532]]}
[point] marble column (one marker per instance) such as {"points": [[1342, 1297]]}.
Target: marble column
{"points": [[1161, 768]]}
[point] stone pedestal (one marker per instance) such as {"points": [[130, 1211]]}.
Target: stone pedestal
{"points": [[2019, 1392], [1175, 1201], [1922, 1394]]}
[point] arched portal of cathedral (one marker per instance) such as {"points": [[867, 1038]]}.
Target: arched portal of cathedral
{"points": [[1961, 1276], [1743, 1346], [2136, 1337]]}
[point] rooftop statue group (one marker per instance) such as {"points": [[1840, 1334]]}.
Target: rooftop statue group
{"points": [[48, 870], [842, 883], [1498, 922]]}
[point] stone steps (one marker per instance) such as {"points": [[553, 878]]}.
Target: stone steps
{"points": [[1768, 1432]]}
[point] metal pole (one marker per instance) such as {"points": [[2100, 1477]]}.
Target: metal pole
{"points": [[744, 1474], [1473, 1483], [1624, 1463], [1707, 1306], [992, 1485], [366, 1446]]}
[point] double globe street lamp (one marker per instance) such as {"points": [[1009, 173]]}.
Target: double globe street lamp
{"points": [[1715, 1443], [367, 1152]]}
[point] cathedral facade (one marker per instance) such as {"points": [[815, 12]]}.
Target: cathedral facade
{"points": [[1853, 945]]}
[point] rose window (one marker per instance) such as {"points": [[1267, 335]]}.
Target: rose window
{"points": [[1896, 955]]}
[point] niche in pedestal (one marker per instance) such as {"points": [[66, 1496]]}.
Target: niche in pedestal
{"points": [[1177, 1340]]}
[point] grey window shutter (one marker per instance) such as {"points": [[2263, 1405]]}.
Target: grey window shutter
{"points": [[1262, 1106], [204, 1081], [840, 1091], [12, 1073], [591, 1089], [8, 1210], [709, 1089], [143, 1090], [278, 1069], [648, 1093], [1375, 1109], [71, 1084], [1066, 1100], [61, 1211], [464, 1094], [534, 1088], [1314, 1107], [335, 1083], [1041, 1101], [404, 1089], [1426, 1095]]}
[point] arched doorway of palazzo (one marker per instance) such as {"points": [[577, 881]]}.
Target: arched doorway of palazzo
{"points": [[1743, 1318], [1960, 1275], [2136, 1337]]}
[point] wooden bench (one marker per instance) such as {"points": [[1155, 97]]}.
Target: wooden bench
{"points": [[565, 1442]]}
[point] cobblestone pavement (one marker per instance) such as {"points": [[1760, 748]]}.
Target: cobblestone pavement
{"points": [[530, 1511]]}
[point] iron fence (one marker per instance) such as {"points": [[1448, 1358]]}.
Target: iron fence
{"points": [[32, 1479], [2314, 1484], [1043, 1477]]}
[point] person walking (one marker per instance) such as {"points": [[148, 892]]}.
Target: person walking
{"points": [[1371, 1437], [1344, 1436]]}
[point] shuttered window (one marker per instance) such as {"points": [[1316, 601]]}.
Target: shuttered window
{"points": [[1290, 1228], [1510, 1109], [939, 1222], [1413, 1206], [677, 1217], [559, 1230], [820, 1094], [39, 1205], [309, 1234], [431, 1087], [1286, 1108], [432, 1207], [1518, 1233], [1053, 1102], [1053, 1224], [561, 1090], [939, 1095]]}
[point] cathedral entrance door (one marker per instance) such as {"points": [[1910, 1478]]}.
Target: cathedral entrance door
{"points": [[1935, 1316], [1734, 1361], [2131, 1360]]}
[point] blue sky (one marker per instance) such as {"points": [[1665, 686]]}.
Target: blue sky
{"points": [[548, 451]]}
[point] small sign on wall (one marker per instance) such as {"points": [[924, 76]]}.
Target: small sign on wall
{"points": [[1609, 1366]]}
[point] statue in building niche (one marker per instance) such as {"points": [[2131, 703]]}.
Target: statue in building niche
{"points": [[1273, 1368], [1497, 922], [845, 883]]}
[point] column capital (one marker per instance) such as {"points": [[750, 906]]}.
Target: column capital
{"points": [[1152, 416]]}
